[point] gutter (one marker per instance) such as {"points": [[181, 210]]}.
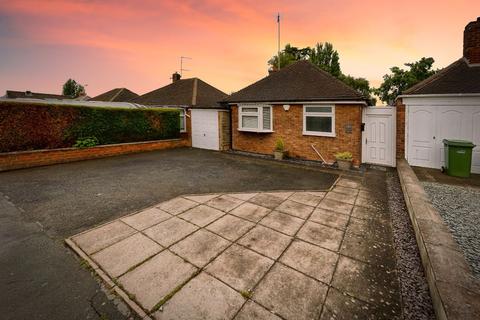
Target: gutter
{"points": [[439, 95], [301, 102]]}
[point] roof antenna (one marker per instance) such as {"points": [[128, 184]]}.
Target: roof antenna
{"points": [[181, 64], [278, 22]]}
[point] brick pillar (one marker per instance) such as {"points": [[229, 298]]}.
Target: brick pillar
{"points": [[400, 139]]}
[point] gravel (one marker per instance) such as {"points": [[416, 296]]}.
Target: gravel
{"points": [[416, 301], [460, 209]]}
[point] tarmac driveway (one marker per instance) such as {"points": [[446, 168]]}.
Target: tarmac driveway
{"points": [[39, 207]]}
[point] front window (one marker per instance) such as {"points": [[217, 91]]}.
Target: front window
{"points": [[319, 120], [256, 118]]}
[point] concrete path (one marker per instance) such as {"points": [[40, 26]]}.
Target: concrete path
{"points": [[258, 255]]}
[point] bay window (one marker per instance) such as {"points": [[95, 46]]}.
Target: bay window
{"points": [[255, 118]]}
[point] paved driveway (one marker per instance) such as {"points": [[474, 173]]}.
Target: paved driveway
{"points": [[39, 207], [260, 255]]}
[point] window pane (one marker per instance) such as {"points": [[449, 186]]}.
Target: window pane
{"points": [[318, 109], [319, 124], [266, 118], [249, 110], [250, 122]]}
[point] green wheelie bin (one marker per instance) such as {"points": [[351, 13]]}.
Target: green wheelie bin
{"points": [[458, 157]]}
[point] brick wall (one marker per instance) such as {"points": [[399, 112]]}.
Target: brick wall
{"points": [[400, 139], [224, 130], [288, 125], [26, 159]]}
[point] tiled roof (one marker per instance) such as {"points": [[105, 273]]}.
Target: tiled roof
{"points": [[116, 95], [34, 95]]}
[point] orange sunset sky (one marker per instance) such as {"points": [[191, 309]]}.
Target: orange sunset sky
{"points": [[137, 44]]}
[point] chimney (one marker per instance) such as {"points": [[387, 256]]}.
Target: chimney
{"points": [[176, 76], [471, 42]]}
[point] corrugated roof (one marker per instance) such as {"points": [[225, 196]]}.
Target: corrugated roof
{"points": [[300, 81], [458, 78], [186, 92], [116, 95]]}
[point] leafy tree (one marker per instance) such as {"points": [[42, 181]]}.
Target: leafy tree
{"points": [[324, 56], [72, 89], [400, 79]]}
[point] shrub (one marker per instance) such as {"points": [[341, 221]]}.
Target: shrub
{"points": [[86, 142], [29, 126], [279, 145], [344, 156]]}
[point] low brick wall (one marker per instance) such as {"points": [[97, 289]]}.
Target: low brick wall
{"points": [[455, 292], [26, 159]]}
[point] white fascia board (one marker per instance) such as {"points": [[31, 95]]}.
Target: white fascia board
{"points": [[439, 100], [298, 102]]}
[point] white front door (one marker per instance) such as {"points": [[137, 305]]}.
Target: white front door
{"points": [[205, 129], [378, 145]]}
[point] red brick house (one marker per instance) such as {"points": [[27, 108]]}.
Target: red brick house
{"points": [[315, 114]]}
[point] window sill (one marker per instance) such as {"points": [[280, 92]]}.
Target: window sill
{"points": [[255, 130], [319, 134]]}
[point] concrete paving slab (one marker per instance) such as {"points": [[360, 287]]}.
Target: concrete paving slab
{"points": [[146, 218], [266, 200], [282, 222], [252, 310], [312, 260], [363, 248], [376, 230], [201, 215], [279, 194], [170, 231], [339, 305], [342, 197], [150, 282], [243, 196], [230, 227], [201, 198], [368, 203], [307, 198], [345, 190], [103, 236], [329, 218], [200, 247], [372, 284], [349, 183], [224, 203], [239, 267], [337, 206], [321, 235], [204, 297], [125, 254], [266, 241], [295, 209], [291, 294], [369, 213], [177, 205], [250, 211]]}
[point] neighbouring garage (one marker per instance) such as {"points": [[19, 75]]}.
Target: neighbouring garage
{"points": [[210, 129], [429, 120]]}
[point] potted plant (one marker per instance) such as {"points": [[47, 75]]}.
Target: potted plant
{"points": [[279, 151], [344, 160]]}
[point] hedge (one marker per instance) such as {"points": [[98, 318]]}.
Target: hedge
{"points": [[30, 126]]}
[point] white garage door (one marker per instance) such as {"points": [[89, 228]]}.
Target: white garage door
{"points": [[429, 125], [205, 129]]}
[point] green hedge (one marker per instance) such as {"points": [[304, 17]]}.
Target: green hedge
{"points": [[28, 126]]}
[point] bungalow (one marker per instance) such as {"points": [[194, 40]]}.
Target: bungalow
{"points": [[446, 105], [314, 113], [116, 95], [202, 119]]}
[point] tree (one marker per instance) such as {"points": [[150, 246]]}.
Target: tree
{"points": [[72, 89], [324, 56], [400, 80]]}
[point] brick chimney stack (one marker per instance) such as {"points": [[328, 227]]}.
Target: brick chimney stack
{"points": [[176, 76], [471, 42]]}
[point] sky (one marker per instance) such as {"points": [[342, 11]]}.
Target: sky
{"points": [[108, 44]]}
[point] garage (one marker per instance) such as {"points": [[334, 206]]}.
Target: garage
{"points": [[210, 129], [429, 120]]}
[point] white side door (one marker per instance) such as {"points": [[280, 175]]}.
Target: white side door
{"points": [[378, 145], [205, 129], [421, 136]]}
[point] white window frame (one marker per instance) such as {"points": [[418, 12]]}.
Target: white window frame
{"points": [[320, 115], [184, 119], [258, 114]]}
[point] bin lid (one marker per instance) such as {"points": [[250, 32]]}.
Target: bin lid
{"points": [[459, 143]]}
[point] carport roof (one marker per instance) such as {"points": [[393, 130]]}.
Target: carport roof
{"points": [[191, 92], [300, 81], [458, 78]]}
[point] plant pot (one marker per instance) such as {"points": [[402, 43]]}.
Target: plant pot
{"points": [[278, 155], [344, 164]]}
